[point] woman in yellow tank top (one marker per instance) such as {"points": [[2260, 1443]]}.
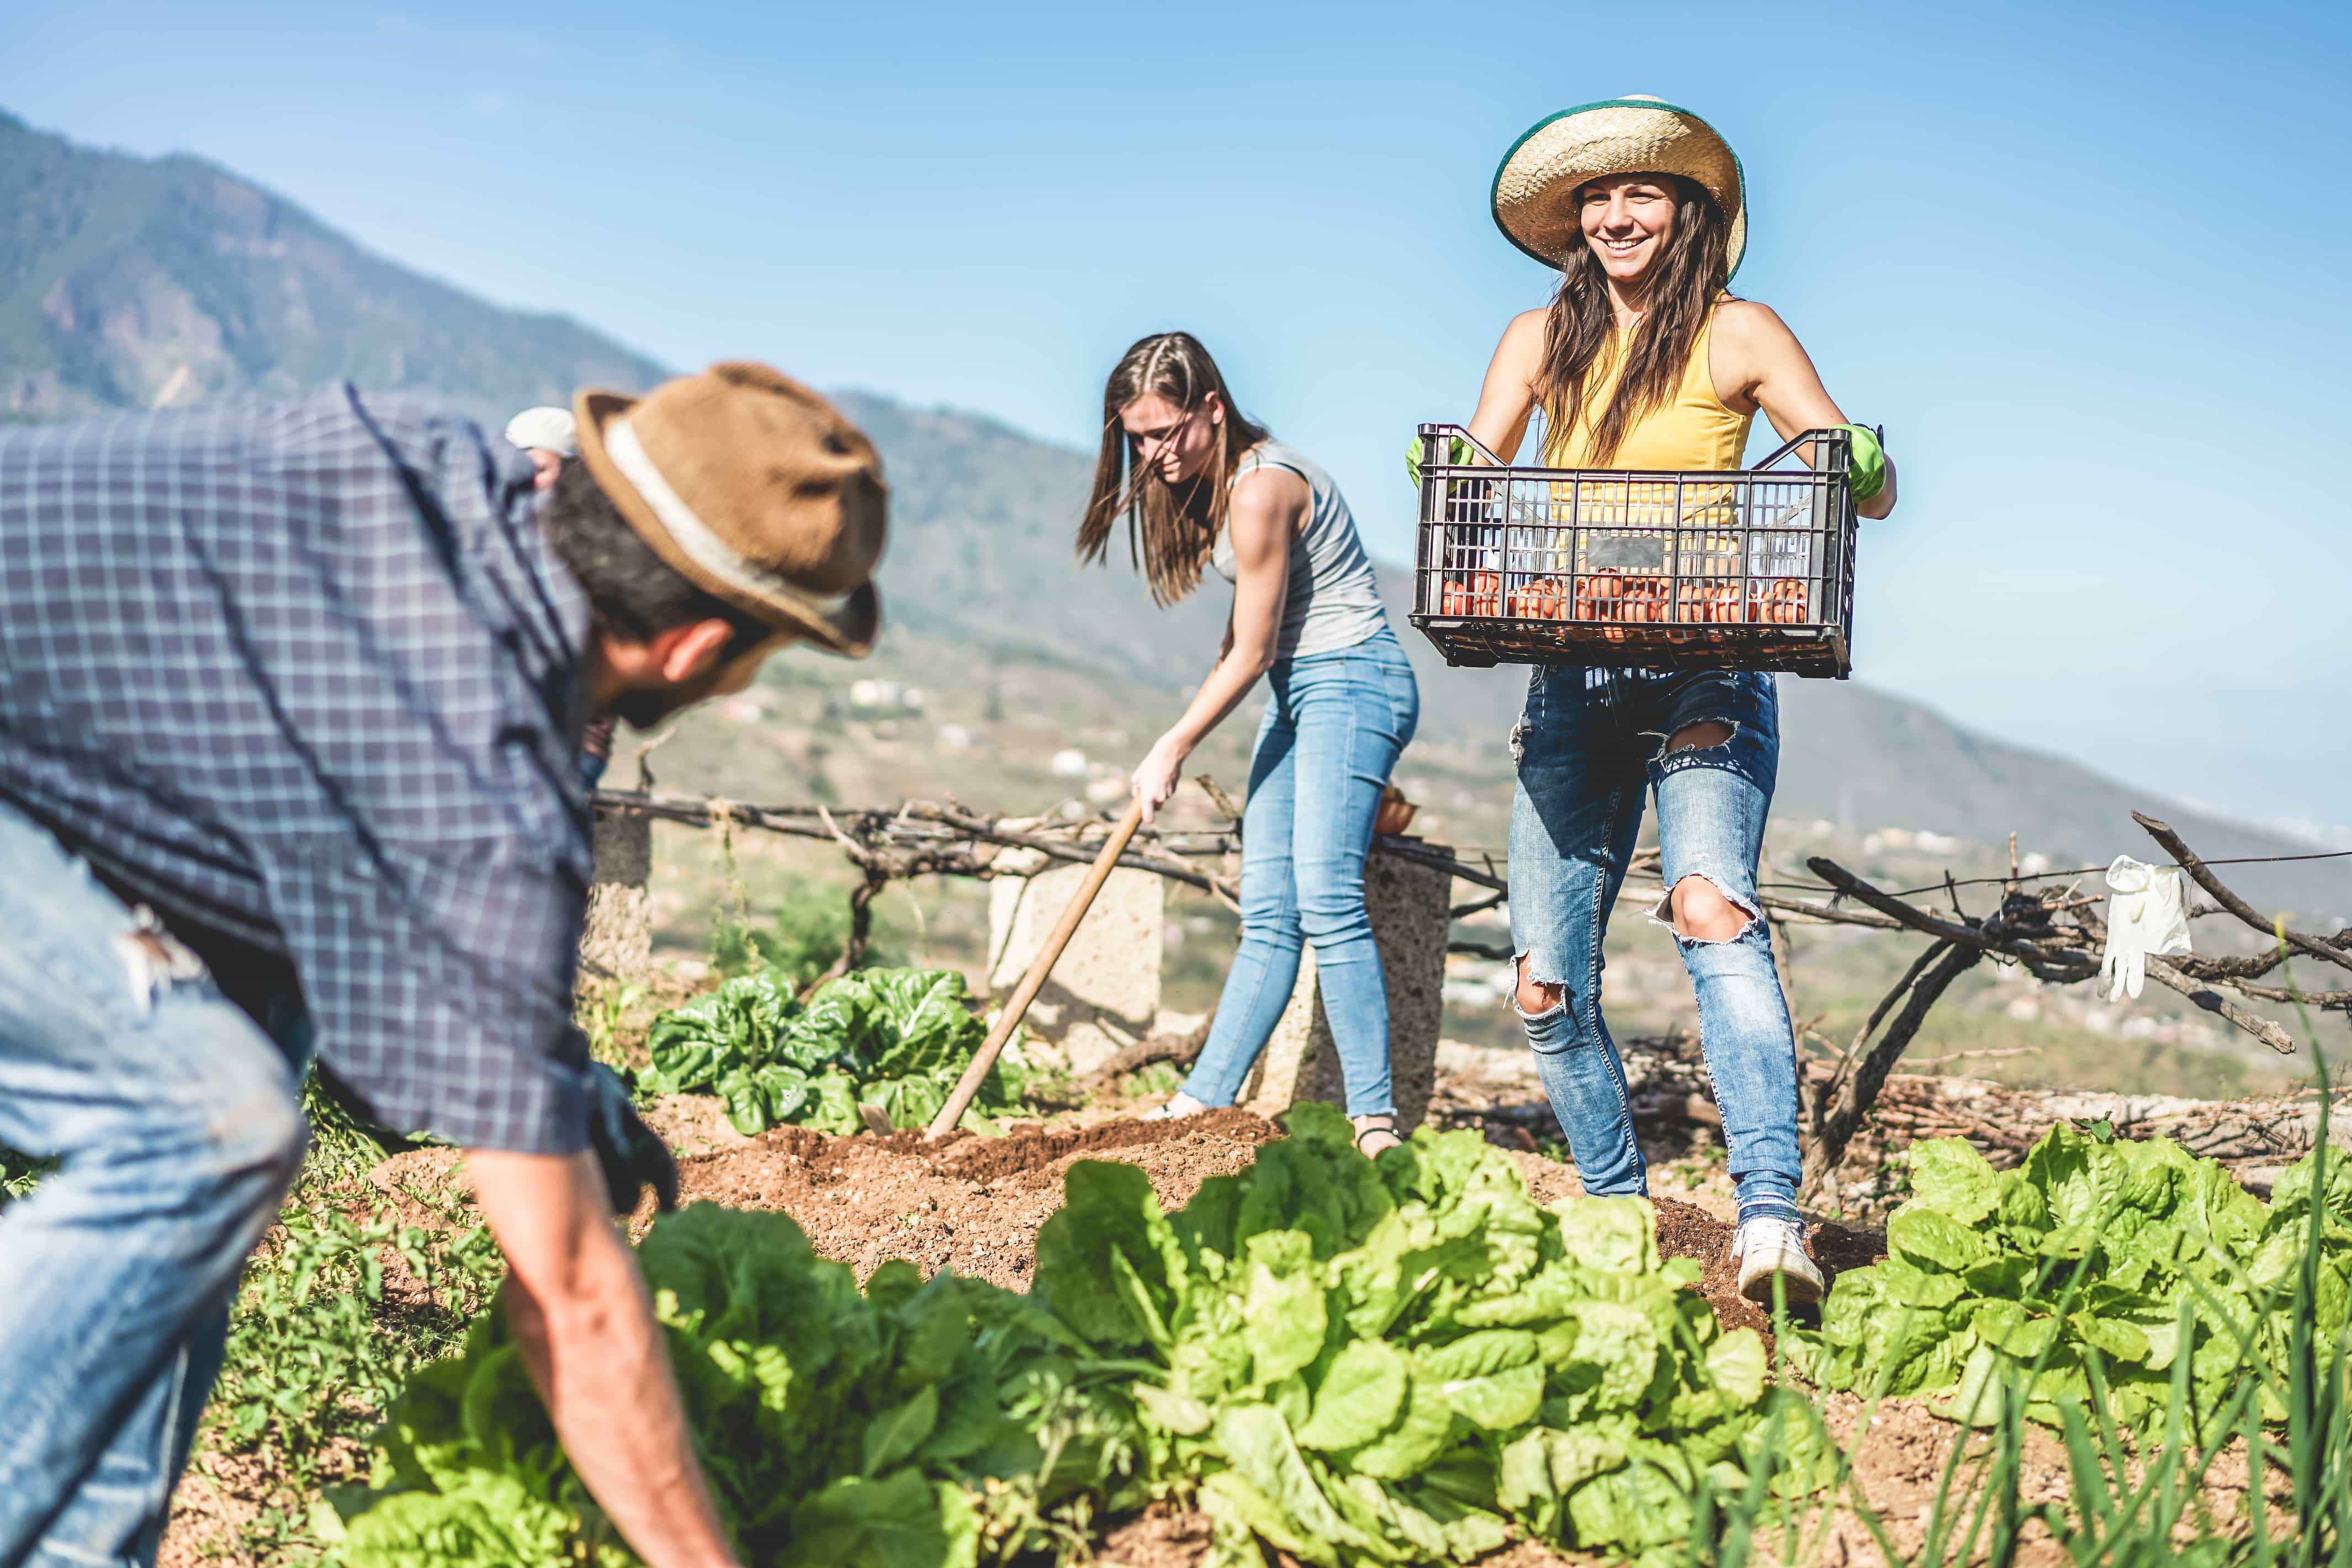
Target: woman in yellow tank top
{"points": [[1644, 361]]}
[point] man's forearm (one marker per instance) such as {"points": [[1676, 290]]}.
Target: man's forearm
{"points": [[587, 1332]]}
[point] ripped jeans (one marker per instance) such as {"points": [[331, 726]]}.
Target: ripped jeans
{"points": [[1590, 743], [178, 1125]]}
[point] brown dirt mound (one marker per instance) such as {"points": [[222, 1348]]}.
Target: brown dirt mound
{"points": [[972, 1204], [1685, 1231]]}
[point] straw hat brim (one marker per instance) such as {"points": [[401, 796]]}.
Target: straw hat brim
{"points": [[846, 626], [1536, 184]]}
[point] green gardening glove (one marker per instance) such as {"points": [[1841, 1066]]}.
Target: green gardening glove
{"points": [[1868, 473], [1458, 451]]}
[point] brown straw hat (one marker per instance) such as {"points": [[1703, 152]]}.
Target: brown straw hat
{"points": [[1536, 185], [756, 488]]}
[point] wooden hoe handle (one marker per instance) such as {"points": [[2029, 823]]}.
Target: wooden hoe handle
{"points": [[1017, 1004]]}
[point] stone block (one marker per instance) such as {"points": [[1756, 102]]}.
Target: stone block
{"points": [[1104, 991], [1410, 907], [617, 943]]}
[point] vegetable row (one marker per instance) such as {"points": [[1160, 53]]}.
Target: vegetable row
{"points": [[1396, 1360]]}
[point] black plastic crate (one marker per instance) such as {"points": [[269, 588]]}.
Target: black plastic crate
{"points": [[1748, 569]]}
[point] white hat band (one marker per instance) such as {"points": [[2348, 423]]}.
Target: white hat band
{"points": [[691, 534]]}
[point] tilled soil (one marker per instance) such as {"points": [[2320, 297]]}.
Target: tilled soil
{"points": [[970, 1203]]}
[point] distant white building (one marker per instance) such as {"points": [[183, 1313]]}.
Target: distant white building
{"points": [[885, 697]]}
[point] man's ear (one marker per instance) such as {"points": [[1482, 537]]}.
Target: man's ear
{"points": [[694, 650]]}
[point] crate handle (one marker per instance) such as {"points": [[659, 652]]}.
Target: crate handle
{"points": [[1477, 446], [1799, 439]]}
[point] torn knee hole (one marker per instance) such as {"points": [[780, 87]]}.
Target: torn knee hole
{"points": [[1703, 911], [1699, 737], [1537, 997]]}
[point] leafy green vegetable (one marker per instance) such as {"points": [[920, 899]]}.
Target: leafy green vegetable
{"points": [[19, 1174], [915, 1425], [897, 1038], [1393, 1361], [2129, 1255]]}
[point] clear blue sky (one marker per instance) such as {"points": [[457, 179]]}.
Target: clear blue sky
{"points": [[2082, 261]]}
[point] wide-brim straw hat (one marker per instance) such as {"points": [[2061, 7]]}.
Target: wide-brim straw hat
{"points": [[1536, 182], [756, 488]]}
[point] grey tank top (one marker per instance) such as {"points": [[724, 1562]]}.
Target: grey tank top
{"points": [[1333, 600]]}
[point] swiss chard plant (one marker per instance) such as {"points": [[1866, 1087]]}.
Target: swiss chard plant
{"points": [[897, 1038], [915, 1424], [19, 1174], [1404, 1360], [2098, 1260]]}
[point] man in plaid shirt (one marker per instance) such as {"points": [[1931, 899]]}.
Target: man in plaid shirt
{"points": [[291, 698]]}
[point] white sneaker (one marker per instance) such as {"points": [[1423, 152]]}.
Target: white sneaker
{"points": [[1768, 1247]]}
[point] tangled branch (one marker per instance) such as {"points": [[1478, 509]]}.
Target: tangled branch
{"points": [[2057, 937]]}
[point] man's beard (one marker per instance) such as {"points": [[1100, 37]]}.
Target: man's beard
{"points": [[643, 710]]}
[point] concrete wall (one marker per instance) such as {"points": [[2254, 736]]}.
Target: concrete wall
{"points": [[1104, 991], [1409, 905], [618, 943]]}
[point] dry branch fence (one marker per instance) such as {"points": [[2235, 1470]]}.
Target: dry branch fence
{"points": [[2053, 932]]}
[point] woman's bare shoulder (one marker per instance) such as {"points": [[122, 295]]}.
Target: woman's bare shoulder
{"points": [[1527, 327], [1751, 344], [1268, 493], [1522, 347], [1750, 321]]}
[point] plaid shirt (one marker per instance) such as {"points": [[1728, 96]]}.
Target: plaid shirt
{"points": [[306, 675]]}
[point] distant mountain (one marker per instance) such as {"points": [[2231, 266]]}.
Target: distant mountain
{"points": [[133, 283]]}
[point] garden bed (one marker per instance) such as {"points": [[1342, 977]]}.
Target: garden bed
{"points": [[976, 1205]]}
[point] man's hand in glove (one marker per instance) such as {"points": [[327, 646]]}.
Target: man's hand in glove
{"points": [[629, 1152], [2148, 913]]}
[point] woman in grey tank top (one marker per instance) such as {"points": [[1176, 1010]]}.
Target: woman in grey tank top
{"points": [[1200, 485]]}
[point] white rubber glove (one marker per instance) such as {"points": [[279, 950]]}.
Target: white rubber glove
{"points": [[2148, 913]]}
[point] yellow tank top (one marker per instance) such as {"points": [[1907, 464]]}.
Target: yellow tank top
{"points": [[1692, 430]]}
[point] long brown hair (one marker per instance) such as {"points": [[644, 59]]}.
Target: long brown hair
{"points": [[1685, 283], [1171, 530]]}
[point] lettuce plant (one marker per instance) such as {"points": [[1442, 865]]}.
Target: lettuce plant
{"points": [[1397, 1361], [912, 1425], [2075, 1267], [897, 1038]]}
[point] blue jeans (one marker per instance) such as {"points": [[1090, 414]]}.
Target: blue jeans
{"points": [[1333, 729], [1590, 743], [179, 1124]]}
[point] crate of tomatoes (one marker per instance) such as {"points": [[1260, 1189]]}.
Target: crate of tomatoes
{"points": [[1752, 569]]}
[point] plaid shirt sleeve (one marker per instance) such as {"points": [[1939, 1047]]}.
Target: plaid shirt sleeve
{"points": [[307, 674]]}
